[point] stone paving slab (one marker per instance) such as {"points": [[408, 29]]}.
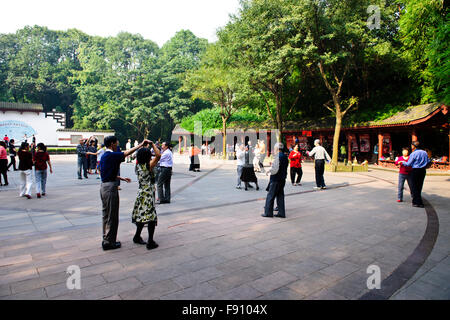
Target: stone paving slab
{"points": [[214, 244]]}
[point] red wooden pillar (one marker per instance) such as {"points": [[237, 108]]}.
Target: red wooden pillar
{"points": [[380, 145], [268, 143], [185, 140], [448, 159], [179, 144], [349, 148], [321, 139]]}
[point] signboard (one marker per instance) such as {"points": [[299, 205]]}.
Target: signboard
{"points": [[17, 130], [387, 144], [364, 142]]}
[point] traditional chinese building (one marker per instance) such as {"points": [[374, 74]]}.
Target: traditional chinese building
{"points": [[427, 123]]}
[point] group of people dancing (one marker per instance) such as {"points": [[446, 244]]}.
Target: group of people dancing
{"points": [[89, 155], [29, 159], [251, 160], [153, 170]]}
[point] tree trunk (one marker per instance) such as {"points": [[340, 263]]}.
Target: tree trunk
{"points": [[279, 120], [224, 135], [337, 132]]}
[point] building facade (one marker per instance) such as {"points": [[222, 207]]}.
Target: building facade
{"points": [[20, 121]]}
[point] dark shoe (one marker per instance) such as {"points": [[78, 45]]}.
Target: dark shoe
{"points": [[111, 246], [86, 177], [278, 216], [38, 195], [152, 245], [257, 188], [6, 184], [80, 178], [264, 216], [28, 196], [246, 189], [250, 186], [418, 205], [43, 194], [139, 240]]}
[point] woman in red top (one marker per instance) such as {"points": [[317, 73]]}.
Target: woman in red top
{"points": [[3, 163], [40, 160], [404, 174], [296, 166], [195, 161]]}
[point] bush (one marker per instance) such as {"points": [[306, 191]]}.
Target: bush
{"points": [[61, 150]]}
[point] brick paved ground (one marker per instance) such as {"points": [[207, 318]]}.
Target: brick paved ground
{"points": [[213, 242]]}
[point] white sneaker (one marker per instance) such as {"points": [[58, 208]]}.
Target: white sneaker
{"points": [[316, 188]]}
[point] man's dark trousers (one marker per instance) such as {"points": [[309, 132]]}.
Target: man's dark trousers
{"points": [[417, 177], [276, 190], [164, 184], [320, 169], [82, 166], [110, 204]]}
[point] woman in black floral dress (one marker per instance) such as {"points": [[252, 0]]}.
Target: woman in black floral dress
{"points": [[144, 207]]}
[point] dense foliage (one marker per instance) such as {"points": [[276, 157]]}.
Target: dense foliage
{"points": [[125, 83], [276, 60]]}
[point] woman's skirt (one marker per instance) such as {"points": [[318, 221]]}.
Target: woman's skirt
{"points": [[248, 174], [144, 207], [195, 163], [92, 162]]}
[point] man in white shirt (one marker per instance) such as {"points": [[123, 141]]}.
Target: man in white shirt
{"points": [[240, 153], [128, 147], [319, 154], [166, 164]]}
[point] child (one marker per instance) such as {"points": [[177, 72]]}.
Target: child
{"points": [[404, 173]]}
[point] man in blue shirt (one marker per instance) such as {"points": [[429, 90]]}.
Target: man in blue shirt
{"points": [[109, 193], [418, 161]]}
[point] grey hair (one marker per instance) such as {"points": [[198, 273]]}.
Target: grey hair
{"points": [[317, 141], [279, 146]]}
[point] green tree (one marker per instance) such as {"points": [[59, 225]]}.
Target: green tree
{"points": [[218, 83], [424, 29], [338, 38], [265, 39]]}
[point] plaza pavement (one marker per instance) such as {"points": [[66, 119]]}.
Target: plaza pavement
{"points": [[213, 243]]}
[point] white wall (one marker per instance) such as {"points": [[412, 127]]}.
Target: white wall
{"points": [[45, 128], [64, 137], [15, 124]]}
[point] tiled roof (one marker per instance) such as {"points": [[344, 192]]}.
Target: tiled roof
{"points": [[405, 117], [409, 114], [13, 106], [179, 130]]}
